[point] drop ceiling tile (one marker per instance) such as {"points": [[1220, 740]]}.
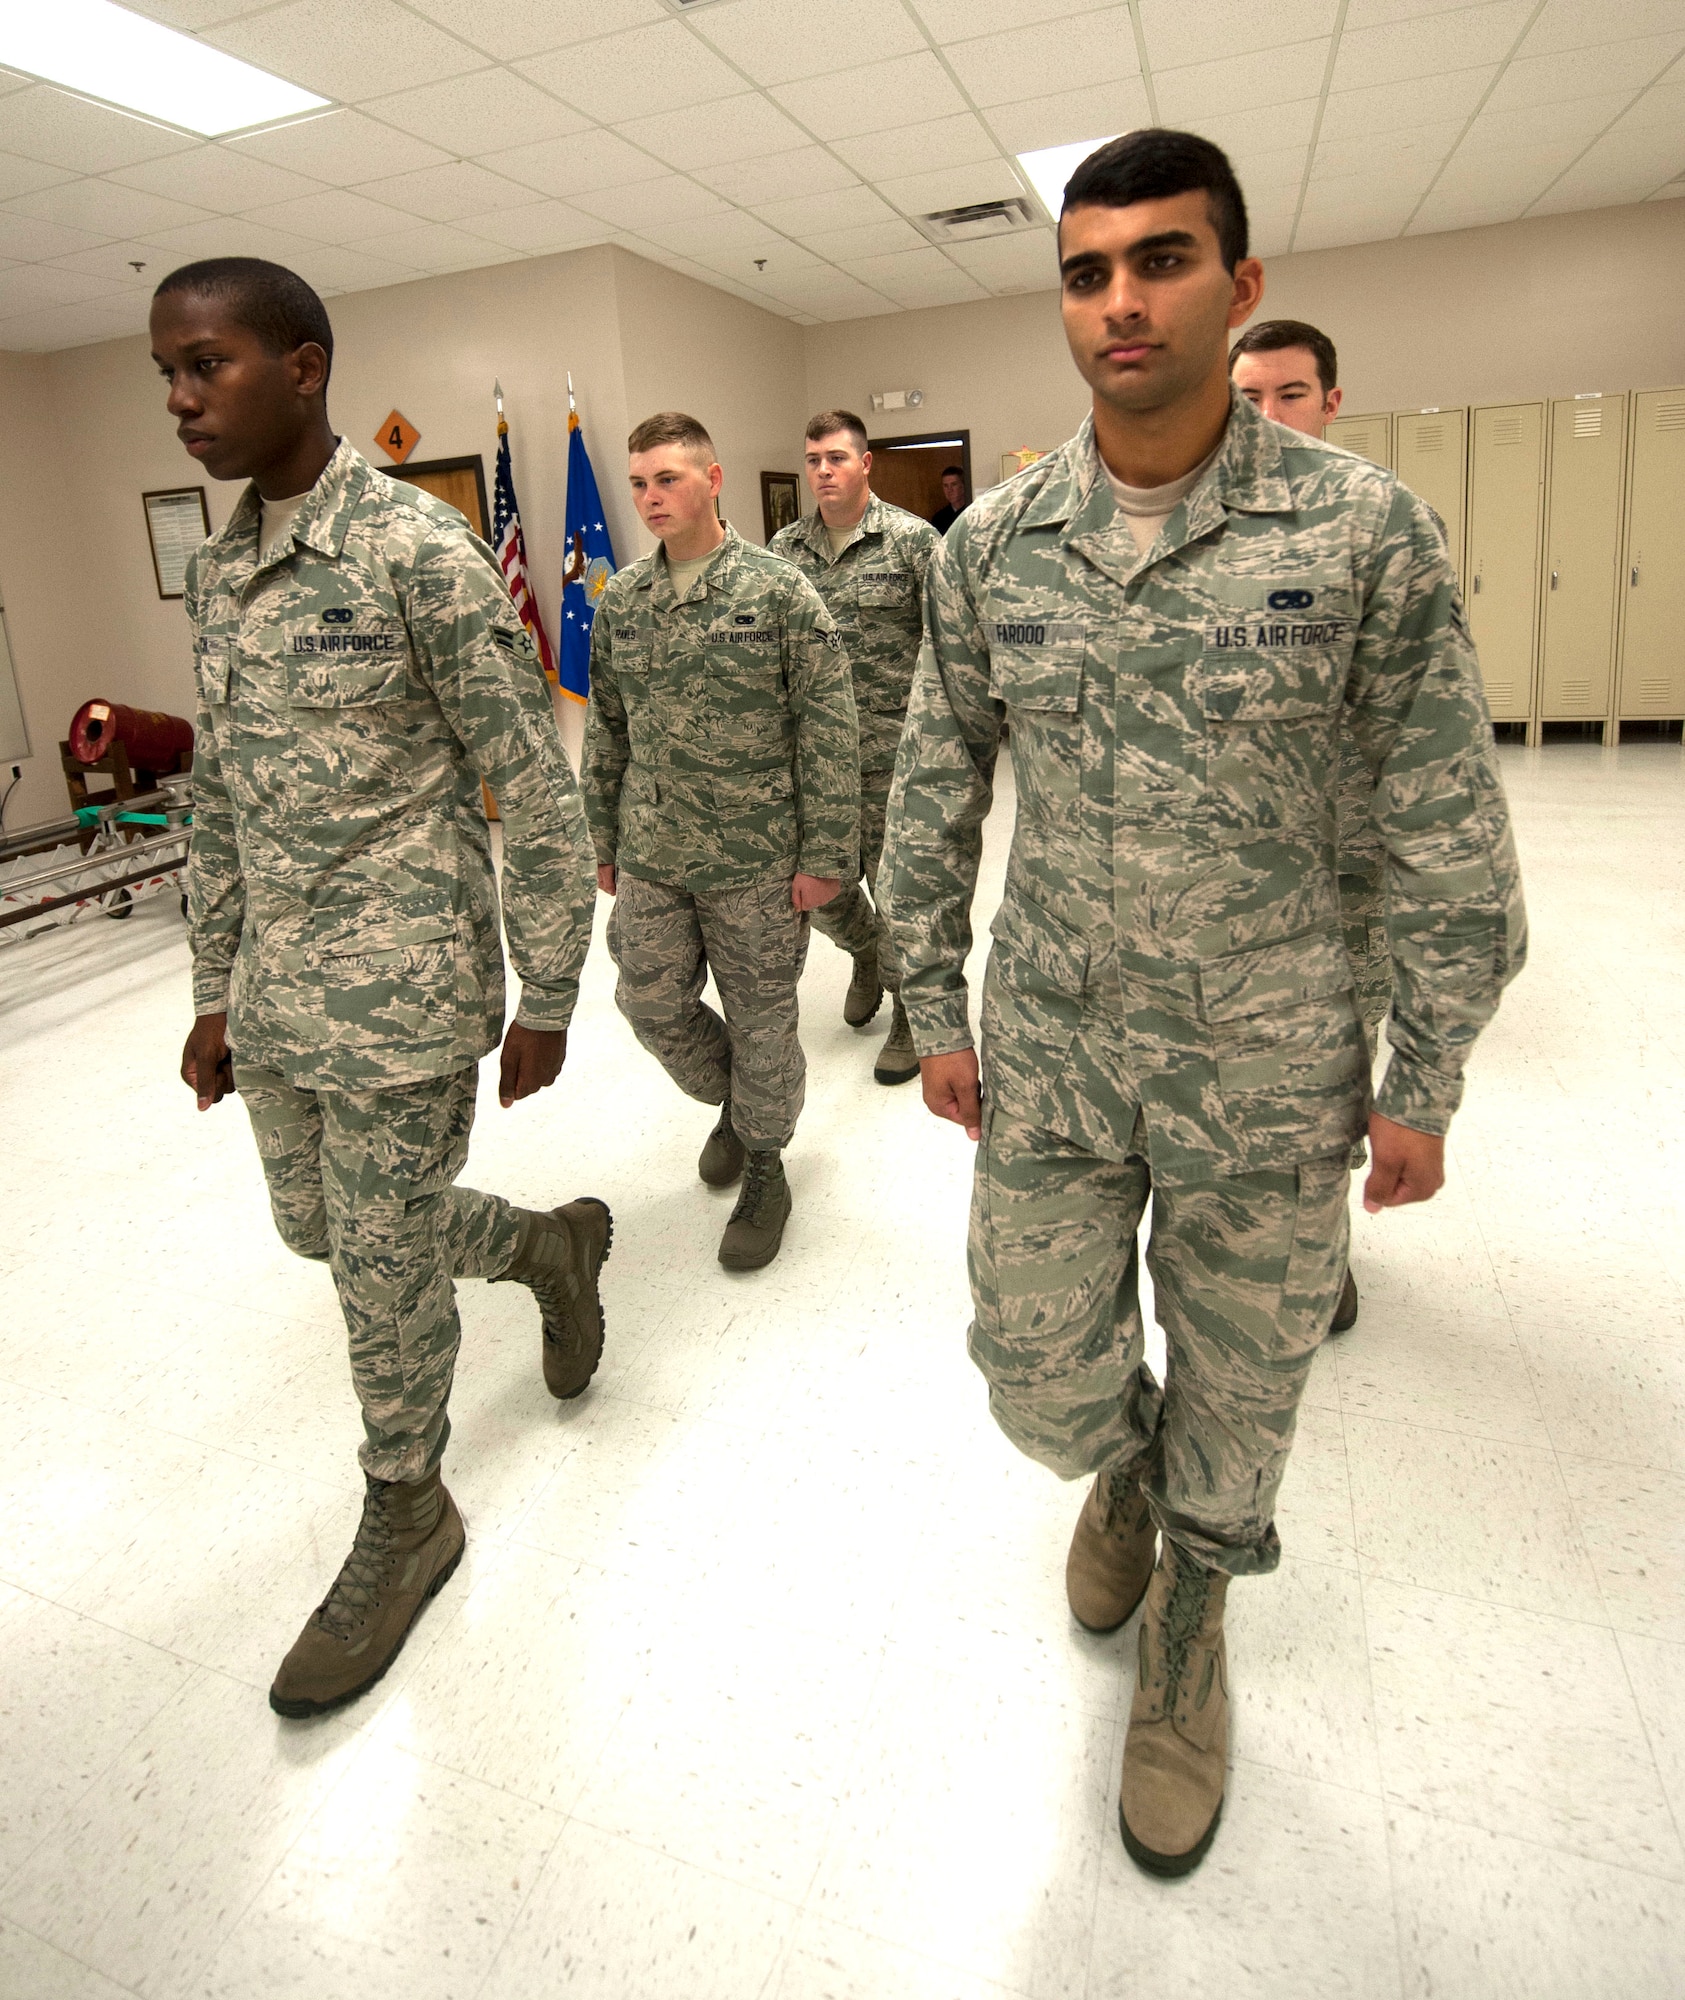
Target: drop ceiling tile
{"points": [[1069, 116], [746, 127], [479, 113], [1261, 174], [228, 236], [346, 52], [20, 176], [950, 288], [1379, 13], [707, 235], [934, 142], [114, 264], [1522, 176], [1672, 192], [1027, 263], [1177, 34], [1607, 179], [1440, 213], [217, 178], [893, 274], [189, 14], [105, 209], [28, 240], [46, 124], [779, 41], [952, 187], [1430, 44], [436, 246], [1030, 62], [332, 268], [670, 199], [24, 287], [575, 165], [1560, 78], [869, 239], [903, 91], [1512, 131], [340, 147], [1398, 107], [1246, 84], [778, 265], [541, 228], [1662, 104], [1261, 129], [1335, 231], [510, 28], [829, 295], [805, 170], [1378, 153], [634, 74], [1582, 24], [847, 208], [960, 20], [334, 216], [56, 327], [447, 194]]}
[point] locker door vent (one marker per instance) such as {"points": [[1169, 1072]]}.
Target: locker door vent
{"points": [[1654, 690], [1576, 691], [1588, 420], [1506, 429], [1671, 416], [1500, 694], [1430, 437]]}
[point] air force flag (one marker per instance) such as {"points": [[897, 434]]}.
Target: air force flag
{"points": [[590, 564]]}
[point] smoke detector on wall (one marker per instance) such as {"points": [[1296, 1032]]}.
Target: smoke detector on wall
{"points": [[897, 399], [978, 219]]}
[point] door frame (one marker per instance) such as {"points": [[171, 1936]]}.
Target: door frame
{"points": [[473, 462], [952, 435]]}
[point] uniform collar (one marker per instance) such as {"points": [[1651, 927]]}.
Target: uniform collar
{"points": [[325, 518], [718, 576], [818, 536]]}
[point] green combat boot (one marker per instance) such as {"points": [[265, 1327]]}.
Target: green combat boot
{"points": [[1345, 1313], [1175, 1756], [559, 1258], [721, 1160], [865, 989], [1111, 1558], [406, 1550], [896, 1061], [756, 1228]]}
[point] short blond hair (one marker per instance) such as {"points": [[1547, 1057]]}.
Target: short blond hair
{"points": [[672, 427]]}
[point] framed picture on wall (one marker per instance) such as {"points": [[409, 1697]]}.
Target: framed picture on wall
{"points": [[781, 501], [177, 521]]}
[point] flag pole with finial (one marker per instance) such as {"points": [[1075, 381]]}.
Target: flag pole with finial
{"points": [[497, 392], [573, 414]]}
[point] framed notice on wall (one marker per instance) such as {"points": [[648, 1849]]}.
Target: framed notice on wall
{"points": [[177, 521]]}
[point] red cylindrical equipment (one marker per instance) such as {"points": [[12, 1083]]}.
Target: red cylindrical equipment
{"points": [[151, 740]]}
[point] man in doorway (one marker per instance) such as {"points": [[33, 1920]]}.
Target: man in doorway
{"points": [[361, 669], [955, 499], [1289, 372], [722, 782], [867, 560], [1177, 612]]}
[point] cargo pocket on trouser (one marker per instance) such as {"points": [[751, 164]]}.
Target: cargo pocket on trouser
{"points": [[287, 1126], [389, 1158]]}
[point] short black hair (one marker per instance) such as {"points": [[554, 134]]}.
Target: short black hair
{"points": [[267, 299], [1270, 336], [1154, 163], [958, 471]]}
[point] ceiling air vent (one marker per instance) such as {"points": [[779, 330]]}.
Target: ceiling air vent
{"points": [[977, 219]]}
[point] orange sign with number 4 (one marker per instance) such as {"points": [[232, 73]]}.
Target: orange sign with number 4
{"points": [[397, 436]]}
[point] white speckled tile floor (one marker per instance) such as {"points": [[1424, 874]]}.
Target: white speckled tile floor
{"points": [[758, 1678]]}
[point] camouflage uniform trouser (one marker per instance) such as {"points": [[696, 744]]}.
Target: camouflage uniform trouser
{"points": [[851, 918], [665, 941], [1246, 1271], [361, 1179]]}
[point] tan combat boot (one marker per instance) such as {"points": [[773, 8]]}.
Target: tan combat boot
{"points": [[1175, 1756], [756, 1228], [721, 1159], [897, 1062], [1345, 1312], [865, 989], [1111, 1558], [559, 1258], [406, 1550]]}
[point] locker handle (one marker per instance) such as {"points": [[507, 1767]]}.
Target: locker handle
{"points": [[1635, 576], [1553, 576], [1477, 583]]}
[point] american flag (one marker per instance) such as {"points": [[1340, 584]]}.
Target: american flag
{"points": [[511, 548]]}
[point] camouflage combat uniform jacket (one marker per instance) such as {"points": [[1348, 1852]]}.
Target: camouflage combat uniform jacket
{"points": [[1169, 947], [875, 590], [721, 744], [354, 688]]}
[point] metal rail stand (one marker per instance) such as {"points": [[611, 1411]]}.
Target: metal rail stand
{"points": [[144, 838]]}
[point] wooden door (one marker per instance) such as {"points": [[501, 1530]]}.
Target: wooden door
{"points": [[459, 482], [907, 472], [1582, 550], [1652, 581], [1506, 503], [1430, 455], [1370, 437]]}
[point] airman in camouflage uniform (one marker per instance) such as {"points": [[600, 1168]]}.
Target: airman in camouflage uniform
{"points": [[874, 587], [720, 769], [1169, 1005], [359, 674]]}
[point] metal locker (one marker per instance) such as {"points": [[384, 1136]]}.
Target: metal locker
{"points": [[1369, 437], [1582, 554], [1505, 515], [1652, 658], [1430, 456]]}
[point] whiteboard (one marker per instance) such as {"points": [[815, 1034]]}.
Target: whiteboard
{"points": [[14, 738]]}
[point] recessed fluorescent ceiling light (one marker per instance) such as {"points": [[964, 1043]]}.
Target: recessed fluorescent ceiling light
{"points": [[1053, 166], [101, 50]]}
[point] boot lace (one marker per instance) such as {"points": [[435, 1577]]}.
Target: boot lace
{"points": [[356, 1589], [1184, 1612], [758, 1170]]}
